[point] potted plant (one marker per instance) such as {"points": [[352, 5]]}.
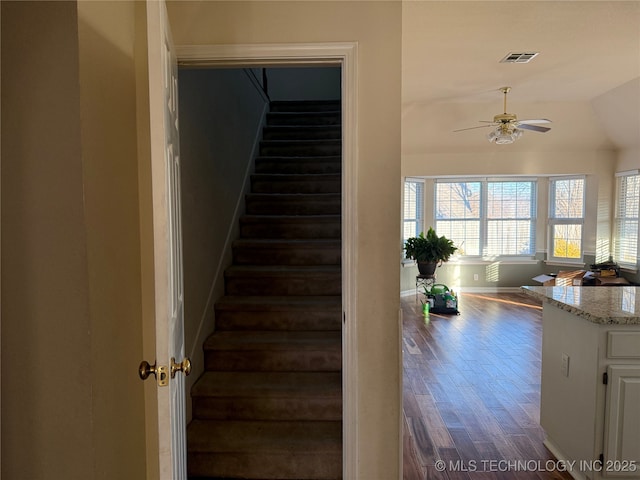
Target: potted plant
{"points": [[429, 251]]}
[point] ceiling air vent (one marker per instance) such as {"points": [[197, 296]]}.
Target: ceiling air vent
{"points": [[519, 57]]}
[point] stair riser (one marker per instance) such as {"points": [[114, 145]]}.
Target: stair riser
{"points": [[259, 184], [303, 360], [298, 165], [274, 149], [278, 320], [265, 408], [302, 133], [323, 118], [266, 466], [290, 229], [305, 106], [266, 204], [292, 284], [265, 255]]}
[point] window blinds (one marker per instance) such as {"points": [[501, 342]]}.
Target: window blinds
{"points": [[625, 244], [413, 208]]}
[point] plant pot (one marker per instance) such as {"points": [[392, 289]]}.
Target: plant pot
{"points": [[427, 268]]}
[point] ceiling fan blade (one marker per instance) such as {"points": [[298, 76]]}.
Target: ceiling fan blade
{"points": [[538, 120], [472, 128], [534, 128]]}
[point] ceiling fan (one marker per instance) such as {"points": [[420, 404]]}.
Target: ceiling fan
{"points": [[507, 126]]}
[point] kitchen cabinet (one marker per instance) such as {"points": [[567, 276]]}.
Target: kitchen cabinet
{"points": [[590, 383]]}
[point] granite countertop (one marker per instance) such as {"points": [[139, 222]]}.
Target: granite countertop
{"points": [[602, 305]]}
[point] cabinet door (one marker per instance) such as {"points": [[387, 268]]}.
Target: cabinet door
{"points": [[622, 422]]}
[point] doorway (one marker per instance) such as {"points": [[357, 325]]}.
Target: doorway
{"points": [[286, 57]]}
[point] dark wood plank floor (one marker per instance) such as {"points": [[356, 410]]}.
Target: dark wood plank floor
{"points": [[472, 391]]}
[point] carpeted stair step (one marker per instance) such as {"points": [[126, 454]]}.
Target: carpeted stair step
{"points": [[286, 252], [290, 226], [283, 280], [302, 164], [274, 351], [296, 183], [306, 132], [268, 396], [300, 147], [293, 313], [305, 105], [293, 204], [304, 118], [265, 450]]}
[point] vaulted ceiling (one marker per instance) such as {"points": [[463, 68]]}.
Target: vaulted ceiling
{"points": [[586, 78]]}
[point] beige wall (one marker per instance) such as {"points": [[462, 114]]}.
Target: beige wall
{"points": [[106, 32], [72, 406], [628, 159], [376, 27], [46, 333]]}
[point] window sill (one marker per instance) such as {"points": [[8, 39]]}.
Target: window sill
{"points": [[481, 261], [491, 261], [624, 269], [565, 263]]}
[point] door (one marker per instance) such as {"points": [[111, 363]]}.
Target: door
{"points": [[169, 300], [622, 422]]}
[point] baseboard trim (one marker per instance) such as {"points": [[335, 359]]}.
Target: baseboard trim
{"points": [[406, 293], [561, 457], [218, 278]]}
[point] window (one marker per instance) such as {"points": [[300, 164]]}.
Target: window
{"points": [[625, 241], [510, 214], [485, 217], [458, 214], [566, 217], [413, 209]]}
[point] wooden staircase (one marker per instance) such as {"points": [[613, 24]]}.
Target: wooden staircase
{"points": [[269, 405]]}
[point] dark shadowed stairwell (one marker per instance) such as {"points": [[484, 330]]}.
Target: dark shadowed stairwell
{"points": [[269, 405]]}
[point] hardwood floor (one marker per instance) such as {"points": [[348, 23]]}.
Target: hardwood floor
{"points": [[472, 391]]}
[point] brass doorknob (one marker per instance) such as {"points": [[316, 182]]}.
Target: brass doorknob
{"points": [[184, 367], [145, 370], [160, 372]]}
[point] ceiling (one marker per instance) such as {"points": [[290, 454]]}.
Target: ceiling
{"points": [[586, 78]]}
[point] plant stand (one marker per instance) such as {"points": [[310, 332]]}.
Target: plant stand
{"points": [[424, 283]]}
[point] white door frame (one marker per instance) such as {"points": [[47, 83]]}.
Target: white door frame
{"points": [[345, 55]]}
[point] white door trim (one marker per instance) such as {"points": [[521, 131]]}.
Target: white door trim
{"points": [[345, 55]]}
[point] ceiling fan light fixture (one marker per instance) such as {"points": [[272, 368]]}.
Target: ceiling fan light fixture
{"points": [[504, 135]]}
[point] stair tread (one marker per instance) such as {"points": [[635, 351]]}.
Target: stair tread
{"points": [[261, 270], [309, 196], [272, 340], [297, 176], [275, 302], [268, 384], [288, 242], [301, 113], [301, 158], [289, 218], [264, 436]]}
